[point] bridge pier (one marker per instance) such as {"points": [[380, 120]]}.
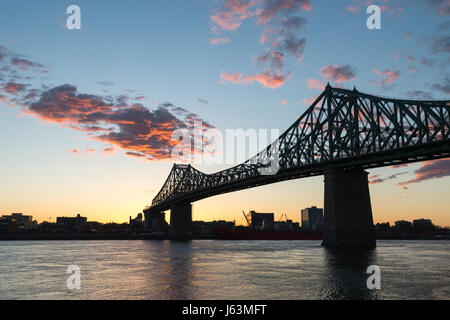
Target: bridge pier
{"points": [[348, 218], [156, 221], [181, 221]]}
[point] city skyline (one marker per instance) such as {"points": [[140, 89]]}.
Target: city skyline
{"points": [[73, 109]]}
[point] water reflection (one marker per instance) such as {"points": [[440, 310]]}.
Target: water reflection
{"points": [[175, 271], [345, 274]]}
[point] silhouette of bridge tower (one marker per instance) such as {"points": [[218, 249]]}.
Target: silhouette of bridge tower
{"points": [[343, 133]]}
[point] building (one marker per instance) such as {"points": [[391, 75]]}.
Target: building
{"points": [[287, 225], [71, 222], [423, 225], [5, 224], [312, 218], [137, 222], [17, 222], [403, 226], [260, 220]]}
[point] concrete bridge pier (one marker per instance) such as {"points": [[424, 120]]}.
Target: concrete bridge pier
{"points": [[181, 221], [156, 221], [348, 218]]}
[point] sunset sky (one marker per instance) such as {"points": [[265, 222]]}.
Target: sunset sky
{"points": [[86, 116]]}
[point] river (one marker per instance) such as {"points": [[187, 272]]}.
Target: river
{"points": [[215, 269]]}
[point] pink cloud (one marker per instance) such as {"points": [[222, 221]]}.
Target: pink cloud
{"points": [[219, 40], [85, 151], [13, 87], [232, 14], [429, 170], [233, 77], [315, 84], [388, 75], [309, 101], [352, 9], [267, 79]]}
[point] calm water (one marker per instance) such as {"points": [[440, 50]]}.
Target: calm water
{"points": [[222, 270]]}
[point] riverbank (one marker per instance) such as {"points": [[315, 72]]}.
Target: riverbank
{"points": [[127, 236], [79, 236]]}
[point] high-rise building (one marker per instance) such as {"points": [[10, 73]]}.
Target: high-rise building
{"points": [[312, 218]]}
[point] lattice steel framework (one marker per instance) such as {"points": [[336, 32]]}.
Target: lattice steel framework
{"points": [[342, 129]]}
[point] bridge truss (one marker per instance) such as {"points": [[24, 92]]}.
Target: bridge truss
{"points": [[342, 129]]}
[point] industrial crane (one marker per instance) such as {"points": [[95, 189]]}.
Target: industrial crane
{"points": [[245, 216]]}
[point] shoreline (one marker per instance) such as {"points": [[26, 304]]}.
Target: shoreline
{"points": [[88, 237]]}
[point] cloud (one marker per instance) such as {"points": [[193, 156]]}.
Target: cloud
{"points": [[389, 77], [283, 102], [281, 34], [231, 15], [232, 77], [274, 58], [85, 151], [108, 150], [429, 170], [388, 6], [444, 26], [310, 101], [133, 128], [444, 86], [352, 9], [427, 62], [401, 165], [135, 154], [315, 84], [294, 46], [12, 87], [419, 94], [338, 73], [267, 79], [294, 24], [272, 8], [375, 179], [219, 40], [24, 64], [111, 119], [285, 37], [106, 83], [440, 44], [440, 6]]}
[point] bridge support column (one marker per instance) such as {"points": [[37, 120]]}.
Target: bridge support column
{"points": [[348, 218], [181, 221], [156, 221]]}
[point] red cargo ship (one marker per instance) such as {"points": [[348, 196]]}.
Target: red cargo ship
{"points": [[239, 234]]}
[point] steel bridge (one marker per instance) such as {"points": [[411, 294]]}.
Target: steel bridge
{"points": [[342, 131]]}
